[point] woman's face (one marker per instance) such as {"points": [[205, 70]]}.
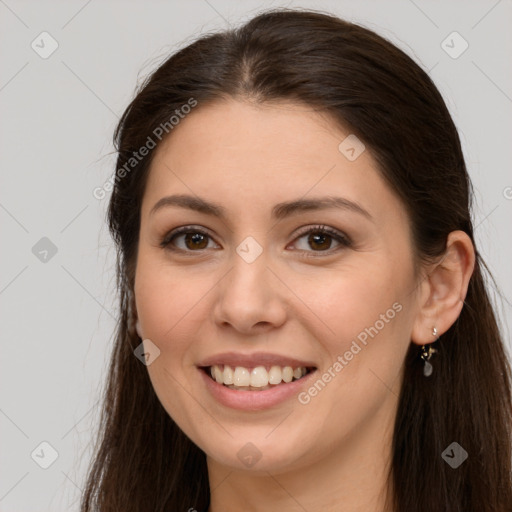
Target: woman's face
{"points": [[260, 286]]}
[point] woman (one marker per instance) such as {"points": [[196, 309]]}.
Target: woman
{"points": [[304, 321]]}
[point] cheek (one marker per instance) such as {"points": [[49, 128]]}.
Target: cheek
{"points": [[168, 305], [162, 298], [348, 303], [366, 316], [173, 307], [368, 324]]}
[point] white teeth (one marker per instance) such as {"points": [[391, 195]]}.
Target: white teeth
{"points": [[259, 377], [246, 378], [218, 375], [287, 373], [241, 377], [275, 376], [228, 374]]}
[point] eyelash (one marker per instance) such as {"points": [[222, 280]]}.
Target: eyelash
{"points": [[343, 239]]}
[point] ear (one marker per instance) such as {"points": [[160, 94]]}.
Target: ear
{"points": [[137, 328], [444, 289]]}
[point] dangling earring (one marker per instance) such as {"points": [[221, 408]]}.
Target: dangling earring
{"points": [[426, 354]]}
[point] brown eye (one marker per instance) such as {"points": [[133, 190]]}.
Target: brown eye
{"points": [[194, 240], [320, 239]]}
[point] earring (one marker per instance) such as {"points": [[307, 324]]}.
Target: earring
{"points": [[426, 354]]}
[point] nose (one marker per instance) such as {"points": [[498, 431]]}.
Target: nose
{"points": [[250, 298]]}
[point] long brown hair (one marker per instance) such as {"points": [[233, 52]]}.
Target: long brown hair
{"points": [[143, 461]]}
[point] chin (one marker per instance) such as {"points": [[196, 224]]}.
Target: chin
{"points": [[275, 454]]}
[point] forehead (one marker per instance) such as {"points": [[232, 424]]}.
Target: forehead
{"points": [[286, 132], [242, 154]]}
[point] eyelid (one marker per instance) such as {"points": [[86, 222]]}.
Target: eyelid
{"points": [[343, 239], [166, 241], [321, 228]]}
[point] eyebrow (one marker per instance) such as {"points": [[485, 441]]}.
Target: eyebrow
{"points": [[279, 211]]}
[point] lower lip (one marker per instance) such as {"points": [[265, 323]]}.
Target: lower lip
{"points": [[254, 400]]}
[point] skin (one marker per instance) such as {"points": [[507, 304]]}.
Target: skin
{"points": [[332, 453]]}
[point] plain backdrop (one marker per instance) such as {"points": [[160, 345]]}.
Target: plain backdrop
{"points": [[57, 115]]}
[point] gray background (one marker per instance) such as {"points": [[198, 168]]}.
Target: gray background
{"points": [[57, 118]]}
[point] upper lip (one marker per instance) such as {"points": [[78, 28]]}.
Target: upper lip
{"points": [[253, 360]]}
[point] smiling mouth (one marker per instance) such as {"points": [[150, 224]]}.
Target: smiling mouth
{"points": [[258, 378]]}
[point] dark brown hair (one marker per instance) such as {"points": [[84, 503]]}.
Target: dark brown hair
{"points": [[143, 461]]}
